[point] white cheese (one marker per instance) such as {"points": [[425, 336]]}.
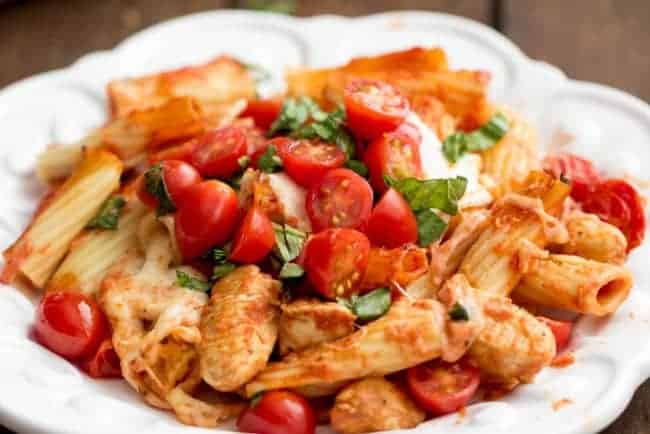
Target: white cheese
{"points": [[292, 198]]}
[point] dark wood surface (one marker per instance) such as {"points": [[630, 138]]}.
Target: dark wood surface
{"points": [[598, 40]]}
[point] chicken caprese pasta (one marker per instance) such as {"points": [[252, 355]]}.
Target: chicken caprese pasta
{"points": [[370, 249]]}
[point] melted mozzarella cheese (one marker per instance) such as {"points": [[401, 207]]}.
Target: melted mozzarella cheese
{"points": [[435, 165], [292, 198]]}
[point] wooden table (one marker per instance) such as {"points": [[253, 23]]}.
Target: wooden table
{"points": [[598, 40]]}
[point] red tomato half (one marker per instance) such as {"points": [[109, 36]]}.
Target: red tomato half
{"points": [[206, 219], [217, 152], [580, 172], [263, 111], [104, 363], [443, 388], [561, 331], [373, 108], [396, 154], [254, 238], [335, 261], [618, 203], [70, 324], [306, 161], [392, 223], [340, 198], [278, 412], [178, 176]]}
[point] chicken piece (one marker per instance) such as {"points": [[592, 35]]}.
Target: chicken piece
{"points": [[394, 267], [410, 333], [239, 327], [373, 404], [305, 323]]}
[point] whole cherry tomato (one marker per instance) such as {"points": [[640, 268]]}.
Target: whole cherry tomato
{"points": [[278, 412], [263, 111], [104, 363], [373, 108], [70, 324], [443, 388], [340, 198], [392, 222], [335, 261], [217, 153], [580, 172], [178, 176], [254, 239], [561, 331], [306, 161], [206, 219]]}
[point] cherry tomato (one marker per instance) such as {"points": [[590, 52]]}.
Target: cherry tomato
{"points": [[373, 108], [104, 363], [278, 412], [392, 223], [254, 238], [396, 154], [263, 111], [580, 172], [217, 152], [335, 261], [182, 152], [206, 219], [443, 388], [340, 198], [178, 176], [70, 324], [561, 331], [306, 161], [618, 203]]}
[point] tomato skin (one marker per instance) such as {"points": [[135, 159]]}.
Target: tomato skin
{"points": [[561, 331], [392, 222], [579, 171], [441, 387], [278, 412], [104, 363], [335, 261], [217, 152], [373, 108], [263, 111], [396, 154], [254, 239], [340, 198], [306, 161], [206, 219], [70, 324], [178, 177], [182, 152]]}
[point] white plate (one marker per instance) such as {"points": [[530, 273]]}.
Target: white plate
{"points": [[40, 392]]}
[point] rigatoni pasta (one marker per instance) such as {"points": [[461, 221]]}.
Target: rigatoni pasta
{"points": [[592, 238]]}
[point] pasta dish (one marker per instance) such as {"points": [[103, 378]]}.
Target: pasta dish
{"points": [[378, 245]]}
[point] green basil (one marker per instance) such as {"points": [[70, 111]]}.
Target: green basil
{"points": [[458, 144], [154, 183], [458, 313], [370, 306], [186, 281], [269, 161], [291, 270], [108, 215]]}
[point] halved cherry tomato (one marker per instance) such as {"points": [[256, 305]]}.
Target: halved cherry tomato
{"points": [[580, 172], [443, 388], [392, 223], [618, 203], [561, 331], [206, 219], [396, 154], [254, 238], [178, 176], [335, 261], [217, 152], [263, 111], [373, 108], [104, 363], [278, 412], [339, 199], [70, 324], [306, 161]]}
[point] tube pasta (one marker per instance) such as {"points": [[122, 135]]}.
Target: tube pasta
{"points": [[45, 242], [576, 284], [592, 238]]}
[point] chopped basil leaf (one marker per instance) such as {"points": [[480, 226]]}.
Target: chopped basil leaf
{"points": [[186, 281], [294, 113], [291, 270], [458, 144], [370, 306], [329, 127], [358, 167], [288, 242], [154, 183], [430, 227], [458, 313], [442, 194], [222, 270], [217, 255], [278, 6], [108, 215], [269, 161]]}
